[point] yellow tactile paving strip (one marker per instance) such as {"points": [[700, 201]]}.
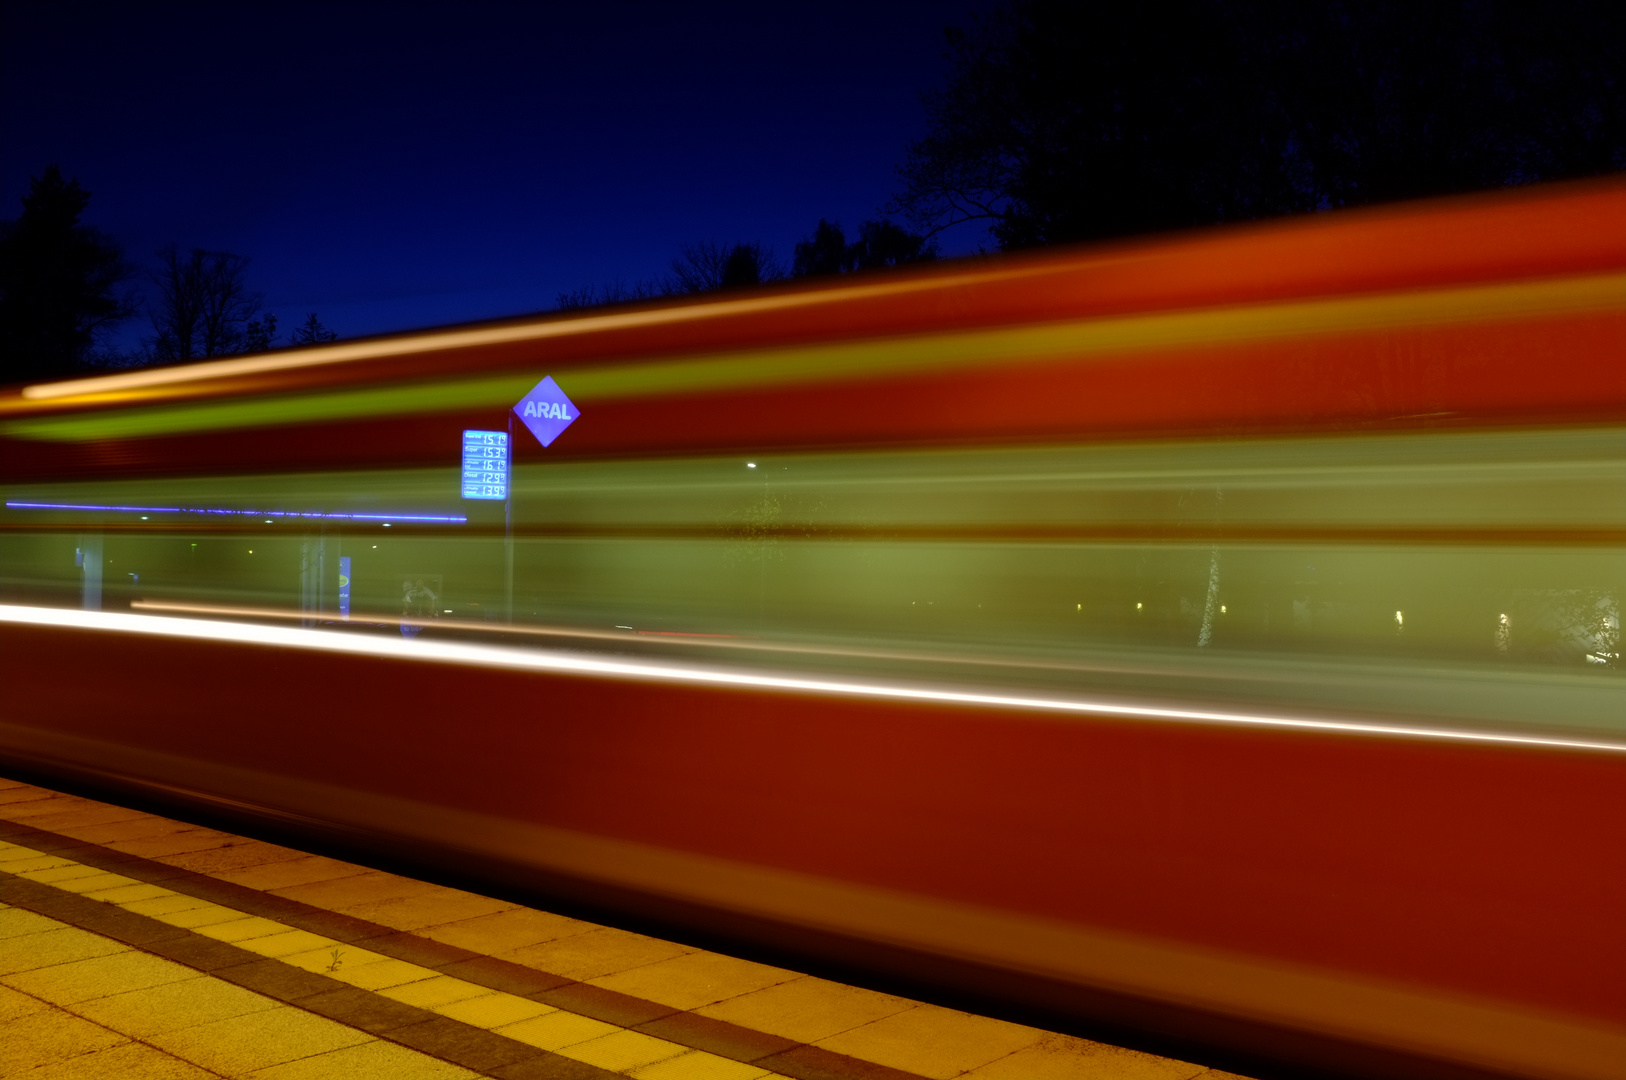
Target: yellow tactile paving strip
{"points": [[591, 1000], [77, 1004], [579, 1038]]}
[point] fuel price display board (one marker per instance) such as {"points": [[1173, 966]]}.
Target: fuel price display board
{"points": [[485, 464]]}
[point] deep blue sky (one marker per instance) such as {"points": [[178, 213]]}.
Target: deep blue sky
{"points": [[400, 165]]}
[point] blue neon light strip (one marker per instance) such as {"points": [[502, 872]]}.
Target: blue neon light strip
{"points": [[443, 519]]}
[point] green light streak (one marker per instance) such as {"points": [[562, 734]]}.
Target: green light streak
{"points": [[841, 361]]}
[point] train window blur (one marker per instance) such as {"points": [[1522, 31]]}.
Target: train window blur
{"points": [[1347, 572]]}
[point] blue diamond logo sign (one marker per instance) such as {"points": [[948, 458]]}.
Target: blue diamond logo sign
{"points": [[546, 411]]}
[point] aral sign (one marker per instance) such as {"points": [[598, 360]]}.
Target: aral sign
{"points": [[546, 411]]}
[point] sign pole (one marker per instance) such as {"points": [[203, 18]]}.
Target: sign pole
{"points": [[545, 412], [508, 526]]}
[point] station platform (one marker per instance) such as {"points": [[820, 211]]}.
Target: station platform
{"points": [[137, 946]]}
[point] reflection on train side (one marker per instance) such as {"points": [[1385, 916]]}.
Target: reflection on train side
{"points": [[1146, 567]]}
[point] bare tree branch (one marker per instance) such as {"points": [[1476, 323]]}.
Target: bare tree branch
{"points": [[204, 305]]}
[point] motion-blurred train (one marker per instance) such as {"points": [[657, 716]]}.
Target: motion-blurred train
{"points": [[1215, 637]]}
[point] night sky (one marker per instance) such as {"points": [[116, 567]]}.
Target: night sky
{"points": [[392, 166]]}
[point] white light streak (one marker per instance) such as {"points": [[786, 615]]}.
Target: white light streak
{"points": [[566, 663]]}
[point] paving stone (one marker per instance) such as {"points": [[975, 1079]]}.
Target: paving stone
{"points": [[87, 814], [258, 1040], [607, 1005], [368, 1061], [365, 1010], [379, 974], [493, 1010], [52, 947], [201, 953], [49, 1036], [243, 928], [236, 855], [99, 976], [1061, 1057], [159, 847], [717, 1036], [806, 1010], [125, 926], [16, 921], [417, 950], [206, 914], [504, 931], [15, 1003], [282, 873], [429, 909], [285, 942], [435, 992], [179, 1004], [699, 1065], [552, 1067], [556, 1030], [275, 979], [330, 924], [502, 975], [164, 905], [126, 1061], [468, 1046], [139, 890], [134, 829], [933, 1041], [346, 892], [62, 876], [813, 1063], [623, 1051], [599, 952], [695, 979]]}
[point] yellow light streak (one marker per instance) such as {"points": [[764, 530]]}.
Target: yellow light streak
{"points": [[500, 335], [808, 365]]}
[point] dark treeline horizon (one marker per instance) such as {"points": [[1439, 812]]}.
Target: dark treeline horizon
{"points": [[1059, 123], [1066, 122]]}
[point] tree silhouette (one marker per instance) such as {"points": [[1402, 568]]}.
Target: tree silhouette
{"points": [[616, 292], [707, 267], [203, 306], [879, 244], [311, 332], [260, 334], [62, 284], [825, 252], [1065, 121]]}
